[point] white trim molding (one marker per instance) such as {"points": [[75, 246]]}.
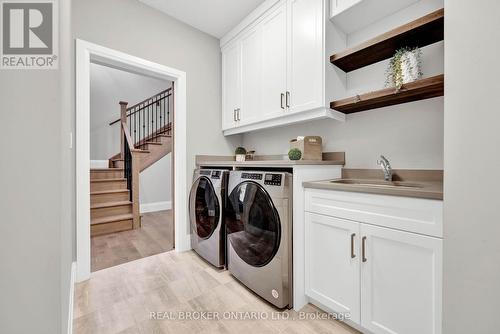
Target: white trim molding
{"points": [[156, 206], [87, 53], [71, 303]]}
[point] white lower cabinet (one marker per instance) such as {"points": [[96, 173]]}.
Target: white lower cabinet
{"points": [[390, 281], [332, 263], [400, 282]]}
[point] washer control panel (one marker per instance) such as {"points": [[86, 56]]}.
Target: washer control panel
{"points": [[272, 179], [251, 176], [216, 174]]}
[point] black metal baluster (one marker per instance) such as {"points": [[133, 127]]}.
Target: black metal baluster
{"points": [[156, 120], [161, 120], [143, 128]]}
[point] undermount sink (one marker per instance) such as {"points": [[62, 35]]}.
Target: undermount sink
{"points": [[376, 183]]}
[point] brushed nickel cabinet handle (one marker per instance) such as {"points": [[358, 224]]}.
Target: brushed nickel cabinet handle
{"points": [[239, 114], [363, 244], [234, 115], [288, 99], [282, 97], [352, 245]]}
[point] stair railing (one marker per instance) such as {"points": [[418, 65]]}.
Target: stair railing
{"points": [[149, 118]]}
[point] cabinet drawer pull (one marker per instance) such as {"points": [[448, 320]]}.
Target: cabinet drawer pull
{"points": [[288, 99], [282, 97], [234, 115], [239, 115], [352, 245], [363, 251]]}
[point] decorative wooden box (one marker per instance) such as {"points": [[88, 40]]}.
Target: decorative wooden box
{"points": [[311, 147]]}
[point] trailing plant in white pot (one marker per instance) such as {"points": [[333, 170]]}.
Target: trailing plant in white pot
{"points": [[404, 67]]}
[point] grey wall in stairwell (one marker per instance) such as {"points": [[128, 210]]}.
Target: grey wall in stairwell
{"points": [[109, 86]]}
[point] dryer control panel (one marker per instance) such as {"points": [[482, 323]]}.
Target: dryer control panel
{"points": [[251, 176], [272, 179]]}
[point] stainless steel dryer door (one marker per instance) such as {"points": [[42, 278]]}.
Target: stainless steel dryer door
{"points": [[204, 208], [252, 224]]}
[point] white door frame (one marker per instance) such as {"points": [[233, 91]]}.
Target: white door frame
{"points": [[87, 53]]}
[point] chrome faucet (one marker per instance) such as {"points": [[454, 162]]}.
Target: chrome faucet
{"points": [[386, 166]]}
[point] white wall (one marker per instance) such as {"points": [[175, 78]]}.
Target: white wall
{"points": [[156, 183], [35, 226], [109, 86], [472, 164], [410, 135]]}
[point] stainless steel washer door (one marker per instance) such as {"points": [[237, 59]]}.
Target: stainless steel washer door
{"points": [[204, 208], [252, 224]]}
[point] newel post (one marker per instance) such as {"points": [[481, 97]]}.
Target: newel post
{"points": [[123, 120]]}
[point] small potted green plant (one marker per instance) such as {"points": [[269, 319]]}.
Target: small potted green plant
{"points": [[294, 154], [240, 153]]}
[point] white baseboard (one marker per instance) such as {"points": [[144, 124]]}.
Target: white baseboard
{"points": [[99, 163], [157, 206], [71, 297]]}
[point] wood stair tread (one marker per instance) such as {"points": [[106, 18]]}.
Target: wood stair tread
{"points": [[111, 169], [108, 180], [153, 143], [111, 219], [110, 204], [114, 191]]}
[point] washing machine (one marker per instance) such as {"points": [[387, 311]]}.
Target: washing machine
{"points": [[258, 218], [206, 204]]}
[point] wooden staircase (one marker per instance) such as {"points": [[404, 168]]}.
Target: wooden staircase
{"points": [[114, 191]]}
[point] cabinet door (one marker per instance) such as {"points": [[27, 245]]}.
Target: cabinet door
{"points": [[274, 62], [231, 84], [400, 282], [305, 55], [332, 263], [251, 76]]}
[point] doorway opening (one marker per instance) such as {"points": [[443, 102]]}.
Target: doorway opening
{"points": [[146, 128], [115, 237]]}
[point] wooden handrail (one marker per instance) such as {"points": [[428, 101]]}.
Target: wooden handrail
{"points": [[129, 142], [142, 102]]}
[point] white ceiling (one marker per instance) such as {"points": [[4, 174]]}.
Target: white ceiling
{"points": [[215, 17]]}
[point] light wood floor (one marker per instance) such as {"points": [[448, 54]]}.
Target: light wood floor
{"points": [[120, 299], [154, 237]]}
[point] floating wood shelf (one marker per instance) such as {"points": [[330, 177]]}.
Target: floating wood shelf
{"points": [[424, 31], [413, 91]]}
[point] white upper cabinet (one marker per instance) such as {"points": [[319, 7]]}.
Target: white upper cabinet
{"points": [[282, 66], [305, 55], [338, 6], [353, 15], [231, 80], [273, 88], [251, 76]]}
